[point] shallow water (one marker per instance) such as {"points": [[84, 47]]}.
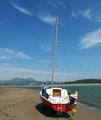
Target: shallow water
{"points": [[90, 95]]}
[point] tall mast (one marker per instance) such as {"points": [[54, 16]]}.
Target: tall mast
{"points": [[54, 44]]}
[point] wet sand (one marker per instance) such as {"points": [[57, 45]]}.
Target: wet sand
{"points": [[25, 104]]}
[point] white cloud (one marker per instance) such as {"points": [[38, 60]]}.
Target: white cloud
{"points": [[56, 4], [98, 17], [22, 70], [46, 48], [62, 4], [6, 53], [86, 14], [91, 39], [20, 8], [53, 3], [47, 18], [11, 72], [3, 64], [21, 55], [74, 14], [8, 72]]}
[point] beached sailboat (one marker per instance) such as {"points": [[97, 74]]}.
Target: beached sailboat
{"points": [[57, 98]]}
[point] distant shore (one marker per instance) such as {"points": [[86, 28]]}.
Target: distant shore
{"points": [[25, 104], [76, 84], [58, 85], [81, 84]]}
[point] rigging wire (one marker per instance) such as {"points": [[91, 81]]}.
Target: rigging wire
{"points": [[53, 53], [67, 62]]}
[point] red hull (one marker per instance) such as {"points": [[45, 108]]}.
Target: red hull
{"points": [[58, 107]]}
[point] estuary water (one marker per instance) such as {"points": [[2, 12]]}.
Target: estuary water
{"points": [[89, 95]]}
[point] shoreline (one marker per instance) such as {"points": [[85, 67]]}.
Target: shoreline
{"points": [[80, 84], [76, 84], [39, 86], [91, 107]]}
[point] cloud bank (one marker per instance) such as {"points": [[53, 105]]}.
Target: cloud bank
{"points": [[47, 18], [6, 53], [20, 8], [87, 14], [11, 72], [91, 39], [56, 4]]}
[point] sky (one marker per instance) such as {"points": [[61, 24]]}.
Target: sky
{"points": [[26, 29]]}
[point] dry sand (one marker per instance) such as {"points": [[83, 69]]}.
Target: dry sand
{"points": [[25, 104]]}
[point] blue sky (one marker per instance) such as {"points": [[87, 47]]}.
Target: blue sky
{"points": [[26, 32]]}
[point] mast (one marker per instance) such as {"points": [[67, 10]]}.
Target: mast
{"points": [[54, 44]]}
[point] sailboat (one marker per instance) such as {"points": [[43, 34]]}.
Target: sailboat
{"points": [[58, 98]]}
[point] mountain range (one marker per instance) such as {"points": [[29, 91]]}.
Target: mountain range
{"points": [[20, 81]]}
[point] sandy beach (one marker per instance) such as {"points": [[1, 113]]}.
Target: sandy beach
{"points": [[25, 104]]}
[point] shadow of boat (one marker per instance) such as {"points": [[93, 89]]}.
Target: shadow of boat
{"points": [[50, 113]]}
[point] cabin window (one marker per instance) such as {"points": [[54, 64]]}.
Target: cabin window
{"points": [[56, 92]]}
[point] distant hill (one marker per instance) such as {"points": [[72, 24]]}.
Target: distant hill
{"points": [[85, 81], [20, 81], [89, 81], [31, 81]]}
